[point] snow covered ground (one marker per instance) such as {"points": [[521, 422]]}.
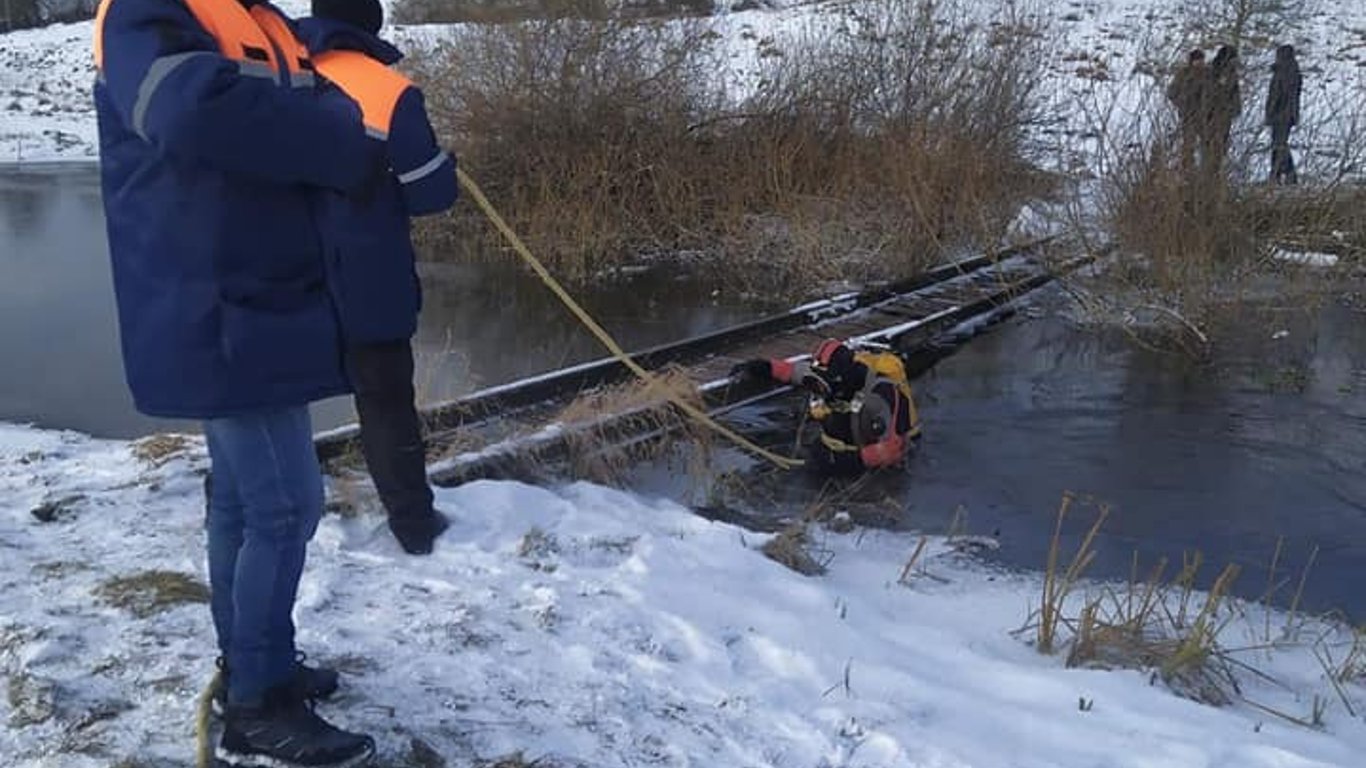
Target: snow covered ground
{"points": [[1103, 57], [586, 627]]}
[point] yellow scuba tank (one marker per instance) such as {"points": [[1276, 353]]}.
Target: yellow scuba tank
{"points": [[889, 365]]}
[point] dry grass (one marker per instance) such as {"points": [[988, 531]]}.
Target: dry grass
{"points": [[159, 449], [151, 592], [796, 549], [1174, 629], [871, 144], [1153, 623], [596, 452], [913, 566], [1195, 244], [1057, 587], [796, 545], [351, 493]]}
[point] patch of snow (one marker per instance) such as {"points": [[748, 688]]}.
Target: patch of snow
{"points": [[1305, 258], [587, 626]]}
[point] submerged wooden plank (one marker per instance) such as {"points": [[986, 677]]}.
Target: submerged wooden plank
{"points": [[552, 443], [500, 400]]}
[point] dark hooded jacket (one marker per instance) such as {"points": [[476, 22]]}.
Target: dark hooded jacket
{"points": [[370, 258], [1283, 97]]}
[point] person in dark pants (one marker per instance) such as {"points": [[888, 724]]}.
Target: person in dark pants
{"points": [[1189, 94], [1283, 113], [215, 139], [1224, 104], [370, 264]]}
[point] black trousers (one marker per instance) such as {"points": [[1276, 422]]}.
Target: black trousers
{"points": [[390, 433], [1282, 162]]}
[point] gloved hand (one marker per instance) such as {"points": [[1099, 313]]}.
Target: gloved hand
{"points": [[758, 369]]}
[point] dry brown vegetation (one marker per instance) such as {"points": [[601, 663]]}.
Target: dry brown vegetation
{"points": [[159, 449], [1197, 247], [887, 131], [1164, 622], [151, 592], [649, 411]]}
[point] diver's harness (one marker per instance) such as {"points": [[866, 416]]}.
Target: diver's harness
{"points": [[870, 415]]}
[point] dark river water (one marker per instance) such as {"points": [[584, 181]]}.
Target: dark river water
{"points": [[481, 324], [1266, 442]]}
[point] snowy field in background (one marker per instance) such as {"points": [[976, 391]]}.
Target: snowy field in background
{"points": [[586, 627], [1101, 54]]}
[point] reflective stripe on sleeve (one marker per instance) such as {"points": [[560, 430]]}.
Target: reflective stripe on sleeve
{"points": [[424, 170], [156, 74]]}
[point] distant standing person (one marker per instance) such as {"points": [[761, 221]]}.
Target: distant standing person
{"points": [[1283, 113], [1188, 93], [1225, 102]]}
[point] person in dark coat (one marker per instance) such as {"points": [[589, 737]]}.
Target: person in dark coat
{"points": [[1283, 113], [1224, 104], [371, 263], [215, 138], [1189, 93]]}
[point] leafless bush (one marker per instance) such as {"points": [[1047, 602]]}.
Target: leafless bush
{"points": [[1198, 239], [873, 143], [1243, 22], [871, 140], [577, 129]]}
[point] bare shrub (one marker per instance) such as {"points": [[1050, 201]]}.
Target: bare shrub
{"points": [[1198, 243], [871, 141], [576, 129], [1240, 22], [873, 144]]}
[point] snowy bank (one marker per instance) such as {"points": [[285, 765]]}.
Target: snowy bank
{"points": [[1107, 65], [586, 627]]}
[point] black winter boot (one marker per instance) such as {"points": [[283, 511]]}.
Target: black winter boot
{"points": [[284, 732], [311, 683], [417, 534]]}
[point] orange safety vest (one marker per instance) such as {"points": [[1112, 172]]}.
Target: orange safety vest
{"points": [[256, 39], [372, 85]]}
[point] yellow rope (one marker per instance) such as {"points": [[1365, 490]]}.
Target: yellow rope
{"points": [[620, 354]]}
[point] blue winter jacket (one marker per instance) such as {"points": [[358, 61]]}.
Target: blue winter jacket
{"points": [[210, 168], [371, 262]]}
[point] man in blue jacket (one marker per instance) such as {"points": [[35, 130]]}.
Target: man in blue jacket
{"points": [[370, 256], [214, 143]]}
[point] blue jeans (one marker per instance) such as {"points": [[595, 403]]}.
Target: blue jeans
{"points": [[264, 506]]}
